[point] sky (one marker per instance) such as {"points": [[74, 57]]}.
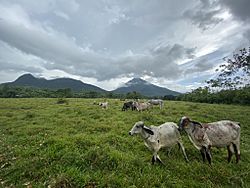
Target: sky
{"points": [[177, 44]]}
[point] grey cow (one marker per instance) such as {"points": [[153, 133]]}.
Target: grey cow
{"points": [[156, 137], [142, 106], [216, 134], [156, 102]]}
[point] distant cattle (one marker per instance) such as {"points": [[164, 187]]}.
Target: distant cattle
{"points": [[156, 102], [129, 105], [104, 105], [142, 106]]}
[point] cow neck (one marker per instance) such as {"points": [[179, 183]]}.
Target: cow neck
{"points": [[190, 130], [145, 135], [195, 126]]}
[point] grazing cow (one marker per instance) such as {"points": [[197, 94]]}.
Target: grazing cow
{"points": [[156, 102], [104, 105], [217, 134], [142, 106], [165, 135], [128, 105]]}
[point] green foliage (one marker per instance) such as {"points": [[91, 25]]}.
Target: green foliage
{"points": [[83, 145], [64, 93], [29, 92], [134, 95], [235, 72], [62, 101], [205, 95]]}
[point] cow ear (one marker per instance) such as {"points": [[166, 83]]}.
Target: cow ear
{"points": [[148, 130]]}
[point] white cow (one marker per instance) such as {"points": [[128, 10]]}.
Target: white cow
{"points": [[104, 105], [165, 135], [156, 102]]}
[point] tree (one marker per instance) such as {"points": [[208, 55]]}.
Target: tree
{"points": [[133, 95], [235, 72], [64, 92]]}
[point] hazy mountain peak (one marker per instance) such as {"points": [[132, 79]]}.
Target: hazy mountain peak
{"points": [[136, 81], [145, 88], [26, 76]]}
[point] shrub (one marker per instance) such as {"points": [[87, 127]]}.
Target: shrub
{"points": [[62, 101]]}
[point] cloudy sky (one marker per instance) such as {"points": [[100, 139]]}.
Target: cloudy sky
{"points": [[172, 43]]}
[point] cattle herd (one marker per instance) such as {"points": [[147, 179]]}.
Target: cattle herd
{"points": [[140, 106], [203, 136]]}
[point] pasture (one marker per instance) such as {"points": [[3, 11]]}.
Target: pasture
{"points": [[45, 144]]}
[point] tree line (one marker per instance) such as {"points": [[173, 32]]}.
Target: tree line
{"points": [[205, 95], [7, 91]]}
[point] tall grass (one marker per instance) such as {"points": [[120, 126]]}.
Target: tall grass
{"points": [[78, 144]]}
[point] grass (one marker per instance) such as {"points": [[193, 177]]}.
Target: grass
{"points": [[78, 144]]}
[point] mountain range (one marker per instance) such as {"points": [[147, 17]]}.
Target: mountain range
{"points": [[136, 84]]}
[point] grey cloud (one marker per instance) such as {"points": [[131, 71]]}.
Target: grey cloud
{"points": [[160, 61], [239, 8], [61, 15], [205, 14], [246, 34], [16, 67], [60, 52], [13, 60], [45, 6], [175, 51], [203, 64], [45, 45]]}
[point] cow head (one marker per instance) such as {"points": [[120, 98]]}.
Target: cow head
{"points": [[183, 123], [139, 127]]}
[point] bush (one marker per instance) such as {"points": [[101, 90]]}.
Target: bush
{"points": [[62, 101]]}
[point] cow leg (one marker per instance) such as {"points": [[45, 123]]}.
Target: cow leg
{"points": [[203, 153], [183, 151], [237, 152], [168, 151], [159, 159], [153, 160], [179, 146], [230, 153], [156, 158], [208, 155]]}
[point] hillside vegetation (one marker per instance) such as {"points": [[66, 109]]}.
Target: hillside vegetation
{"points": [[78, 144]]}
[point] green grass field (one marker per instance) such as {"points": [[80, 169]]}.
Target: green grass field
{"points": [[44, 144]]}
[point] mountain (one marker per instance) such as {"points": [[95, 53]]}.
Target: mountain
{"points": [[58, 83], [144, 88], [136, 84]]}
